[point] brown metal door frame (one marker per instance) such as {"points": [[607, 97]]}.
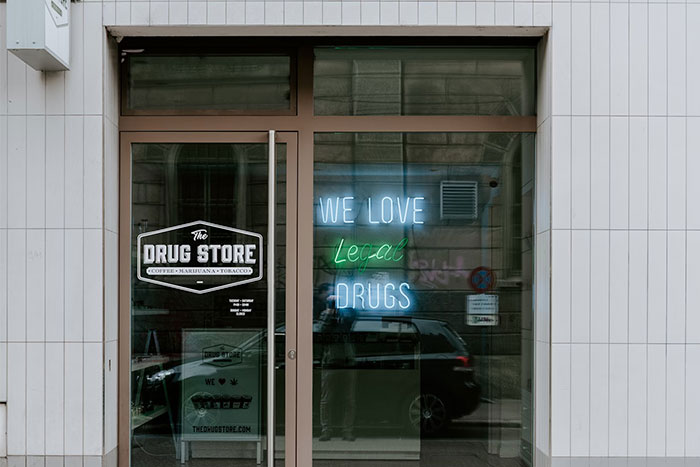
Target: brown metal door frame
{"points": [[291, 324]]}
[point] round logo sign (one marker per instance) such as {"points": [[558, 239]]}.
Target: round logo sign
{"points": [[482, 279]]}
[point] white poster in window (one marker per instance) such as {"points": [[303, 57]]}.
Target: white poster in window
{"points": [[221, 384], [482, 310]]}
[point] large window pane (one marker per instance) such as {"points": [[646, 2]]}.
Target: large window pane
{"points": [[424, 81], [423, 274], [208, 82]]}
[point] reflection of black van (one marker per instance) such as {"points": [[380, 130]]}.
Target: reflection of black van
{"points": [[410, 372]]}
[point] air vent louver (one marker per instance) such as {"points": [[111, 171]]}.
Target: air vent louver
{"points": [[458, 200]]}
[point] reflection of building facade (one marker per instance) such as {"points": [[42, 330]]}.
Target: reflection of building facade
{"points": [[483, 245]]}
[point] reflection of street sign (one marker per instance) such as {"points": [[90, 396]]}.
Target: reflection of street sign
{"points": [[199, 257], [482, 279], [482, 310]]}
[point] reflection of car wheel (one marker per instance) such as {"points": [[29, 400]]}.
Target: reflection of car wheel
{"points": [[428, 413], [198, 410]]}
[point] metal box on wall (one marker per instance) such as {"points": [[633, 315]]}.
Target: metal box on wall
{"points": [[38, 32]]}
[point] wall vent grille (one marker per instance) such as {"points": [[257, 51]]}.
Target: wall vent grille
{"points": [[458, 200]]}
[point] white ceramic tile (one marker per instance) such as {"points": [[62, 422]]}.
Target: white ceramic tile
{"points": [[580, 285], [692, 404], [600, 172], [216, 12], [580, 172], [561, 400], [92, 286], [561, 172], [109, 14], [36, 92], [312, 12], [36, 271], [693, 59], [657, 282], [332, 13], [599, 423], [111, 286], [542, 14], [93, 155], [619, 172], [600, 285], [93, 37], [542, 299], [92, 402], [656, 396], [158, 13], [638, 173], [3, 170], [123, 12], [485, 13], [580, 399], [657, 173], [389, 12], [619, 288], [17, 398], [111, 176], [466, 13], [447, 13], [427, 13], [408, 12], [111, 395], [692, 290], [16, 285], [600, 59], [676, 292], [675, 401], [561, 286], [581, 59], [542, 399], [36, 387], [693, 173], [294, 12], [73, 172], [197, 12], [140, 13], [676, 175], [638, 286], [619, 58], [74, 78], [3, 290], [639, 59], [637, 401], [3, 377], [369, 12], [504, 13], [177, 13], [73, 399], [16, 171], [55, 140], [3, 66], [16, 85], [73, 285], [351, 13], [561, 59], [54, 397], [523, 14], [618, 400], [658, 59], [55, 94], [55, 244], [36, 171]]}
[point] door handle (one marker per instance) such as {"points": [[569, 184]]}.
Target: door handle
{"points": [[271, 200]]}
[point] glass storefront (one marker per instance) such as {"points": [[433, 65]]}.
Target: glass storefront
{"points": [[399, 289]]}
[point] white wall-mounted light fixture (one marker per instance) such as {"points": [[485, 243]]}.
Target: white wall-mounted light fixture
{"points": [[38, 32]]}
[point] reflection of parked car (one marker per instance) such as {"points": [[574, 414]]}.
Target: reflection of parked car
{"points": [[411, 372]]}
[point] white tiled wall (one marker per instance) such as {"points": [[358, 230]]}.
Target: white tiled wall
{"points": [[617, 225]]}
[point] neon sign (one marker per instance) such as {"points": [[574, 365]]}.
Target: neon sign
{"points": [[373, 295], [386, 210], [363, 253]]}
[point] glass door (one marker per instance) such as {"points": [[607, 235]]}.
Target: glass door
{"points": [[207, 226]]}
